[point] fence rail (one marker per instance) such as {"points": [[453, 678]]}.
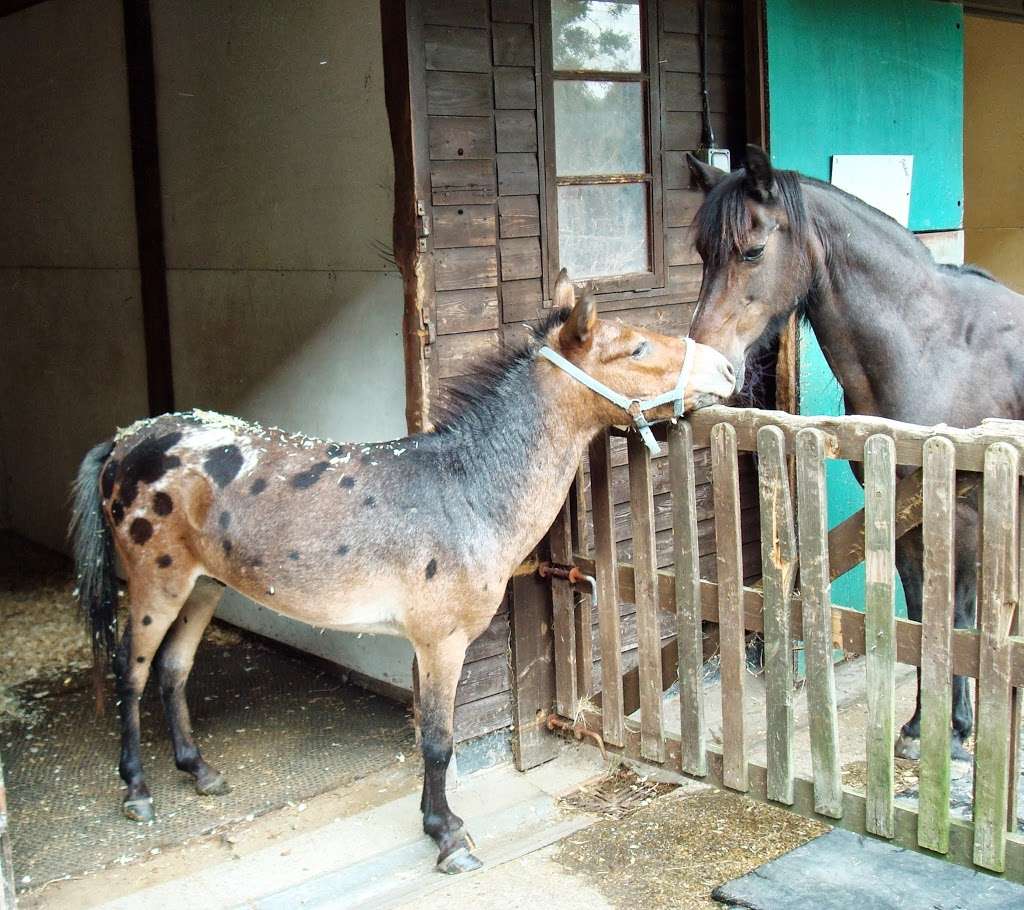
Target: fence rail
{"points": [[945, 464]]}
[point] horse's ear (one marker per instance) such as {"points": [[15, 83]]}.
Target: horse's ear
{"points": [[706, 175], [760, 179], [579, 327], [564, 295]]}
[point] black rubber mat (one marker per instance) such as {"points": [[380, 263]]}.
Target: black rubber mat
{"points": [[280, 729]]}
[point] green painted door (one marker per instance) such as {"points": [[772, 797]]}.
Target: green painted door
{"points": [[866, 77]]}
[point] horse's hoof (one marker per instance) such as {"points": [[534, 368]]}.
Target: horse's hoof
{"points": [[215, 785], [457, 861], [140, 809], [958, 752], [908, 747]]}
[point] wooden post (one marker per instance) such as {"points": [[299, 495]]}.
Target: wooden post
{"points": [[686, 556], [606, 573], [938, 526], [996, 601], [729, 561], [6, 862], [641, 499], [583, 606], [778, 562], [880, 630], [533, 676], [812, 520], [564, 609]]}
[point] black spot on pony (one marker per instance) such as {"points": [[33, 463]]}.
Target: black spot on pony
{"points": [[223, 464]]}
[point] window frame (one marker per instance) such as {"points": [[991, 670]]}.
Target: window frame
{"points": [[611, 286]]}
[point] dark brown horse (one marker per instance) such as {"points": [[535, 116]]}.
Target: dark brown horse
{"points": [[416, 537], [906, 338]]}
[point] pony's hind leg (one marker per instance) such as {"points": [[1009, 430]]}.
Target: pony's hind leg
{"points": [[152, 612], [173, 665], [440, 665]]}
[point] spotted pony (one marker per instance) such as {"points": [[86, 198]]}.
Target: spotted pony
{"points": [[414, 537]]}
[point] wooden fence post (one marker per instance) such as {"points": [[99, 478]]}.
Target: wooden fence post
{"points": [[6, 862], [729, 562], [563, 600], [690, 634], [778, 562], [812, 521], [880, 630], [938, 526], [996, 601]]}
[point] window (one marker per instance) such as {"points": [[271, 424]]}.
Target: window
{"points": [[601, 173]]}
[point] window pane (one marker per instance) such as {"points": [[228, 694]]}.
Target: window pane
{"points": [[596, 35], [602, 230], [599, 128]]}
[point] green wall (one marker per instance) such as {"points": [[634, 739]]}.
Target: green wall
{"points": [[866, 77]]}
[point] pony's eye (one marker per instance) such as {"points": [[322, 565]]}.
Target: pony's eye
{"points": [[753, 254], [640, 350]]}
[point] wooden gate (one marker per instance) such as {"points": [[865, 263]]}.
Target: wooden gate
{"points": [[6, 866], [625, 710]]}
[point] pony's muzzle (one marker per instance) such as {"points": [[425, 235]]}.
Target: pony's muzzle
{"points": [[713, 375]]}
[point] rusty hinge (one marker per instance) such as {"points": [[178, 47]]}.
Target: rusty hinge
{"points": [[428, 334], [422, 225]]}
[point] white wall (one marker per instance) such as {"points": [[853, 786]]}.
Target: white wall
{"points": [[72, 365], [278, 192]]}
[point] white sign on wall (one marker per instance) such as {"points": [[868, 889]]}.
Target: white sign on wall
{"points": [[882, 181]]}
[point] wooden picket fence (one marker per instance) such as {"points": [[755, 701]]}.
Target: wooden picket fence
{"points": [[625, 711], [6, 864]]}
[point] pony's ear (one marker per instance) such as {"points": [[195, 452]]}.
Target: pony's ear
{"points": [[760, 179], [706, 175], [564, 295], [578, 329]]}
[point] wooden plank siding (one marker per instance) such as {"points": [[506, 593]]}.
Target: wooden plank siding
{"points": [[489, 245]]}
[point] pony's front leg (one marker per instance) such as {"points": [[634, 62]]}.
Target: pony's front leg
{"points": [[440, 665]]}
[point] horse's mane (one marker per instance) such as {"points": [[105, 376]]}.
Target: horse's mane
{"points": [[481, 402], [723, 221], [968, 269]]}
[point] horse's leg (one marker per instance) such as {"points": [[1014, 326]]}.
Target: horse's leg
{"points": [[152, 612], [440, 665], [173, 665], [909, 555], [964, 615]]}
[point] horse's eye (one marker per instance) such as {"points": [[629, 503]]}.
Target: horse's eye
{"points": [[640, 350], [753, 254]]}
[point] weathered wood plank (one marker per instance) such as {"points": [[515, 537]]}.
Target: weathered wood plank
{"points": [[459, 94], [460, 355], [518, 216], [461, 137], [646, 594], [518, 174], [464, 225], [812, 520], [723, 17], [997, 597], [463, 182], [684, 283], [847, 435], [465, 267], [681, 53], [472, 310], [512, 10], [683, 130], [686, 553], [521, 301], [682, 92], [584, 606], [7, 890], [607, 590], [729, 560], [681, 206], [455, 12], [514, 88], [778, 563], [938, 525], [880, 630], [513, 44], [457, 50], [520, 258], [679, 248], [516, 131], [563, 600]]}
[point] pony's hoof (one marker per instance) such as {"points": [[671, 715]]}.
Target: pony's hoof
{"points": [[908, 747], [457, 861], [139, 810], [957, 750], [214, 785]]}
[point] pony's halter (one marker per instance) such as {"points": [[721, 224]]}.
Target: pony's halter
{"points": [[634, 407]]}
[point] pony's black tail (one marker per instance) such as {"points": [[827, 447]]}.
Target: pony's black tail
{"points": [[94, 562]]}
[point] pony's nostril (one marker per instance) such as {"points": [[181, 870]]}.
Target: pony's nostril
{"points": [[730, 373]]}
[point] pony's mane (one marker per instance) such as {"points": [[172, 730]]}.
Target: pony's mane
{"points": [[481, 401], [968, 269], [723, 221]]}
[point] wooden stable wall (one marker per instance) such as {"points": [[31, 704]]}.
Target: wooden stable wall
{"points": [[476, 64]]}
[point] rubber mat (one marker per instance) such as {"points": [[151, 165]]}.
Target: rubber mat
{"points": [[280, 728]]}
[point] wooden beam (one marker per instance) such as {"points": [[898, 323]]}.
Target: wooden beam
{"points": [[7, 890], [149, 217]]}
